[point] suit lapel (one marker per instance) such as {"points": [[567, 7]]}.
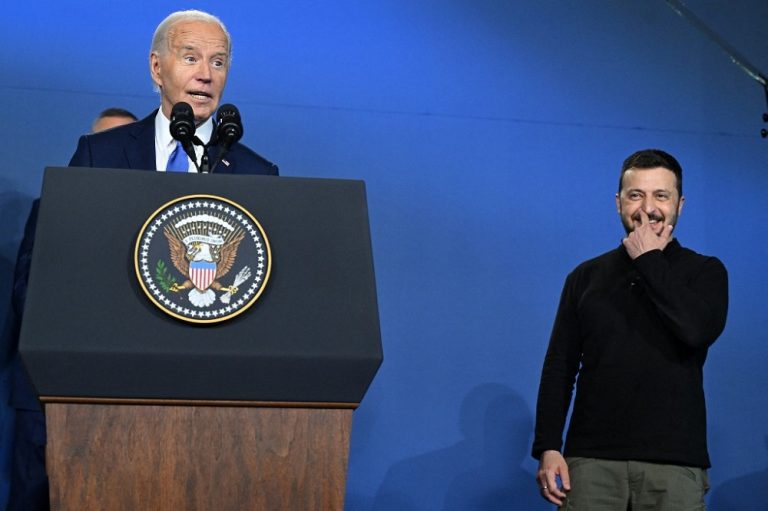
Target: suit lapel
{"points": [[142, 137], [225, 166]]}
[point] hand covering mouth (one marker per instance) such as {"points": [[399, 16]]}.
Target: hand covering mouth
{"points": [[651, 219]]}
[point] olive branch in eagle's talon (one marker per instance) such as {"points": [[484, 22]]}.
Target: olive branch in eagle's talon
{"points": [[164, 279]]}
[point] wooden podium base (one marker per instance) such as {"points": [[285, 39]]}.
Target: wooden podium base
{"points": [[158, 457]]}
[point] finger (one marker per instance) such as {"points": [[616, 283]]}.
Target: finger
{"points": [[556, 492], [565, 478], [554, 500], [547, 485], [551, 482], [544, 491], [644, 219], [541, 482], [666, 233], [551, 488], [552, 497], [631, 246], [637, 218]]}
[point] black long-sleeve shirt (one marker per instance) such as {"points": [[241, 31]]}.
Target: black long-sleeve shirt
{"points": [[636, 332]]}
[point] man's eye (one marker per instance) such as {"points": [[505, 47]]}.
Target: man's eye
{"points": [[218, 63], [190, 59]]}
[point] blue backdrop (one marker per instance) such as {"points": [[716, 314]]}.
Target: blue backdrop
{"points": [[490, 135]]}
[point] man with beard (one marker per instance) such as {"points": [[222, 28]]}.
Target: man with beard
{"points": [[634, 325]]}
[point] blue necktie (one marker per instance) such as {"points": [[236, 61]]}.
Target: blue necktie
{"points": [[177, 161]]}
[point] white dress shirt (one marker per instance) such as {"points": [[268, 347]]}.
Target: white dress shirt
{"points": [[165, 143]]}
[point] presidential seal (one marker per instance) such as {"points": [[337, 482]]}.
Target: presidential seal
{"points": [[202, 258]]}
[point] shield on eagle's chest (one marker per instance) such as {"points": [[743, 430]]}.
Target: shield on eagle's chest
{"points": [[202, 273]]}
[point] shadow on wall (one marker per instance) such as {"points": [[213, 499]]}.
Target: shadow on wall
{"points": [[14, 209], [482, 471], [743, 493]]}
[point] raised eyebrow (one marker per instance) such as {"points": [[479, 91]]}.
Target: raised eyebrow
{"points": [[183, 50], [655, 192]]}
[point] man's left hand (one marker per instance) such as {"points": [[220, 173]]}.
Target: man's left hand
{"points": [[643, 239]]}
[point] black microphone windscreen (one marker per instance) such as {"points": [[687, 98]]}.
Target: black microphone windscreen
{"points": [[229, 127], [182, 122], [228, 112]]}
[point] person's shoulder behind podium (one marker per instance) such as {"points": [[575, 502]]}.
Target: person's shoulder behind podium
{"points": [[189, 62]]}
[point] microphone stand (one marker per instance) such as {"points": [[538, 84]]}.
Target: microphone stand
{"points": [[222, 153], [205, 166]]}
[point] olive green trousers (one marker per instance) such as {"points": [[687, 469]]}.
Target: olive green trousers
{"points": [[607, 485]]}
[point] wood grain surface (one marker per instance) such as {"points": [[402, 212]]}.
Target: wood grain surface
{"points": [[128, 457]]}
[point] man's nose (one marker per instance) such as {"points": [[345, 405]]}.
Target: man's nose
{"points": [[204, 72], [649, 205]]}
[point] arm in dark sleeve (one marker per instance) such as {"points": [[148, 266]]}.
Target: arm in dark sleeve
{"points": [[693, 307], [558, 375], [24, 262], [82, 156]]}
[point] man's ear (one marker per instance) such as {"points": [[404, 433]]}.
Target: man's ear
{"points": [[154, 68]]}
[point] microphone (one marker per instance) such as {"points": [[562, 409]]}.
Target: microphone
{"points": [[183, 128], [182, 123], [229, 129]]}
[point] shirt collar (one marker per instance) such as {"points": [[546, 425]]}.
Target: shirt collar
{"points": [[163, 130]]}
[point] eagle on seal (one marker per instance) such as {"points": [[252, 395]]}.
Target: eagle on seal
{"points": [[203, 259]]}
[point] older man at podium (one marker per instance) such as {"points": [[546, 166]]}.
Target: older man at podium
{"points": [[189, 62]]}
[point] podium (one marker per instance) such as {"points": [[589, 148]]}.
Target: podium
{"points": [[148, 411]]}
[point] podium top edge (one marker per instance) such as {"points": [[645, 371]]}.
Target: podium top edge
{"points": [[193, 402], [57, 169]]}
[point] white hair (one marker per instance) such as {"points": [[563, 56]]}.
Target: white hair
{"points": [[160, 43]]}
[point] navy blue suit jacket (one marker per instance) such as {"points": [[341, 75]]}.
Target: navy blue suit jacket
{"points": [[132, 146]]}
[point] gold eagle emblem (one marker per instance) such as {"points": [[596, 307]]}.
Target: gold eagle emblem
{"points": [[203, 252]]}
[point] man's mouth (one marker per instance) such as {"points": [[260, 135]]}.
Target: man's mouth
{"points": [[200, 96], [652, 220]]}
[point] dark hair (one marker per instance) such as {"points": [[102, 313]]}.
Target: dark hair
{"points": [[652, 158], [117, 112]]}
